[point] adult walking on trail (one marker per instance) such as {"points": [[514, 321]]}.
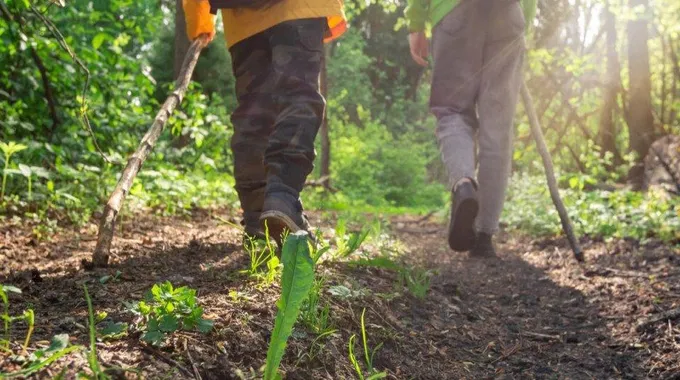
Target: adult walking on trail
{"points": [[276, 48], [478, 50]]}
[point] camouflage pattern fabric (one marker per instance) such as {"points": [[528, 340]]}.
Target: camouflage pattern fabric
{"points": [[280, 109]]}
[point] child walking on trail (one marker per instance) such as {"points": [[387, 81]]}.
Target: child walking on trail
{"points": [[276, 48], [478, 50]]}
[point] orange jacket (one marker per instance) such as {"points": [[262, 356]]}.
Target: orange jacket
{"points": [[243, 23]]}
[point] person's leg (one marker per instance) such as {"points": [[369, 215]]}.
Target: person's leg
{"points": [[253, 122], [457, 49], [498, 95], [297, 52]]}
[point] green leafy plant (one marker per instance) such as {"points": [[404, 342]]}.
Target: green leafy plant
{"points": [[296, 281], [166, 310], [39, 359], [368, 354], [28, 316], [8, 149], [4, 295], [417, 281]]}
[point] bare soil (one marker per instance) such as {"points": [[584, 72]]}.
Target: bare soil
{"points": [[535, 313]]}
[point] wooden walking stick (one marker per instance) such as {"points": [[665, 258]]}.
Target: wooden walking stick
{"points": [[550, 172], [100, 257]]}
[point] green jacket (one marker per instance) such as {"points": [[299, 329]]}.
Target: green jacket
{"points": [[419, 12]]}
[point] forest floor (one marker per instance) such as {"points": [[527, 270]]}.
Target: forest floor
{"points": [[535, 313]]}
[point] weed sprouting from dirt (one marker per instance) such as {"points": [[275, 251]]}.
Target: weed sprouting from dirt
{"points": [[368, 354], [417, 281], [92, 359], [313, 315]]}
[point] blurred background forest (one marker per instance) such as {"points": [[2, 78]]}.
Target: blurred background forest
{"points": [[604, 75]]}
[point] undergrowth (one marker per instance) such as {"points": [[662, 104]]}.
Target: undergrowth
{"points": [[596, 213]]}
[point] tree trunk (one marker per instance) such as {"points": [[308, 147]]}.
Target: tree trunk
{"points": [[325, 138], [641, 122], [181, 40], [607, 133]]}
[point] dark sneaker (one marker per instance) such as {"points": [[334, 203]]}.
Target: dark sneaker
{"points": [[282, 213], [252, 228], [464, 208], [484, 247]]}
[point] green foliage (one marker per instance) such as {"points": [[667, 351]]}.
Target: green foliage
{"points": [[597, 213], [296, 281], [371, 167], [166, 310]]}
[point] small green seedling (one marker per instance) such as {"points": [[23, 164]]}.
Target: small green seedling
{"points": [[296, 281], [312, 315], [166, 310], [106, 278], [347, 244], [368, 355], [4, 295], [8, 149], [92, 359], [29, 172]]}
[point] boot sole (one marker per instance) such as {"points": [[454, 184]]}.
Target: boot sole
{"points": [[461, 228], [278, 222]]}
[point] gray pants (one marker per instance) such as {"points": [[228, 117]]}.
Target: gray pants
{"points": [[478, 51]]}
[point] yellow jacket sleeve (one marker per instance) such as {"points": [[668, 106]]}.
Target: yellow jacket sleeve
{"points": [[198, 18]]}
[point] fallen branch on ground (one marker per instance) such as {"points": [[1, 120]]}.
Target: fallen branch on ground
{"points": [[550, 172], [106, 226]]}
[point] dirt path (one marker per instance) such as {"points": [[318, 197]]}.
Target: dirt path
{"points": [[533, 314]]}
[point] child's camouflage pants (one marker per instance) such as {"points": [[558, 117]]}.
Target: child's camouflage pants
{"points": [[279, 109]]}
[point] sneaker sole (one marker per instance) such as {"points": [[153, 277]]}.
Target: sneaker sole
{"points": [[461, 228]]}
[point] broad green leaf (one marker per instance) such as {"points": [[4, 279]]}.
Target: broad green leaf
{"points": [[11, 289], [168, 323], [153, 337], [58, 342], [144, 308], [114, 330], [205, 325], [99, 39], [296, 281], [25, 170], [40, 172]]}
